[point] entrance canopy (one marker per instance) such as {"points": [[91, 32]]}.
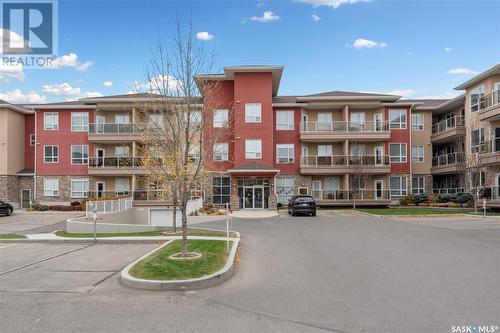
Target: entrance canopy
{"points": [[253, 169]]}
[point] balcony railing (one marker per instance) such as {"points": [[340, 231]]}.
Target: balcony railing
{"points": [[123, 162], [450, 190], [344, 126], [448, 159], [487, 147], [350, 195], [447, 124], [485, 101], [118, 128], [342, 160]]}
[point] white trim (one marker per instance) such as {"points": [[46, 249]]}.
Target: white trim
{"points": [[58, 154], [79, 180], [334, 98], [83, 158], [56, 190], [83, 125]]}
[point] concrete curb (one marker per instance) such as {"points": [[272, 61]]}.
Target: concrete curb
{"points": [[199, 283], [421, 216]]}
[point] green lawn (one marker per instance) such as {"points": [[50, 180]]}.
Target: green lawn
{"points": [[411, 211], [13, 236], [191, 232], [160, 267]]}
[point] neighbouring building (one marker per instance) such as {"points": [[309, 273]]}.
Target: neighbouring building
{"points": [[340, 147]]}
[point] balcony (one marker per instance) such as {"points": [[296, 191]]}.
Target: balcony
{"points": [[362, 197], [489, 151], [114, 132], [118, 165], [487, 106], [448, 130], [339, 165], [368, 131], [448, 163]]}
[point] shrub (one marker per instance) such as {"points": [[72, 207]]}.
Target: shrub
{"points": [[404, 201], [442, 198], [420, 198], [462, 198]]}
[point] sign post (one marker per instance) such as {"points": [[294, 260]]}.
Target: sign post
{"points": [[484, 207], [227, 227], [94, 218]]}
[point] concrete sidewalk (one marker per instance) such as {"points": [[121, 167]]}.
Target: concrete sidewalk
{"points": [[52, 237]]}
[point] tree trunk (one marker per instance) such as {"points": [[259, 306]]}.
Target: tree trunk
{"points": [[174, 211], [184, 246]]}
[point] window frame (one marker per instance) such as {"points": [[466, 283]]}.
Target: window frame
{"points": [[124, 190], [84, 191], [84, 160], [399, 158], [54, 190], [225, 155], [54, 157], [400, 124], [401, 190], [418, 189], [286, 185], [253, 155], [221, 186], [418, 158], [287, 146], [289, 125], [252, 113], [415, 126], [54, 117], [82, 127], [479, 91], [32, 139], [223, 122]]}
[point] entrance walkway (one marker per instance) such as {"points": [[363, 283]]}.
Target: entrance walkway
{"points": [[255, 213]]}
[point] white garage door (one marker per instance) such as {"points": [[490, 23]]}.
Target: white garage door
{"points": [[161, 217]]}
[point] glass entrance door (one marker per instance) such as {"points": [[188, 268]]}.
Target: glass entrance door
{"points": [[253, 197], [248, 197]]}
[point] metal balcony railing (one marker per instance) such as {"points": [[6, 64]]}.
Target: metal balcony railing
{"points": [[360, 194], [450, 190], [485, 101], [487, 147], [344, 126], [448, 159], [447, 124], [343, 160], [123, 162], [120, 128]]}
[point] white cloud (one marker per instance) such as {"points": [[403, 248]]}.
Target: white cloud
{"points": [[16, 96], [204, 35], [462, 71], [448, 49], [8, 72], [401, 92], [157, 85], [362, 43], [60, 89], [89, 94], [107, 83], [267, 16], [71, 61], [330, 3], [260, 4], [315, 17]]}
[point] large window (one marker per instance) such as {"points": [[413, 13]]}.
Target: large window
{"points": [[122, 119], [121, 186], [79, 154], [253, 149], [477, 98], [357, 120], [477, 137], [397, 152], [79, 121], [220, 152], [50, 187], [284, 153], [417, 122], [50, 154], [221, 188], [122, 151], [324, 150], [417, 154], [253, 113], [51, 121], [284, 120], [397, 186], [79, 188], [418, 185], [397, 118], [220, 118], [284, 188]]}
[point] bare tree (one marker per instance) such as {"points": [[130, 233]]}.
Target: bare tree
{"points": [[358, 173], [176, 147]]}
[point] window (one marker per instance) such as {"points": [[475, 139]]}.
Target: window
{"points": [[51, 154], [194, 152], [51, 121], [221, 152], [397, 118], [121, 186], [284, 188], [50, 187], [417, 122], [122, 151], [155, 121], [79, 121], [79, 188], [417, 154], [397, 152], [221, 118], [324, 150], [32, 139], [80, 154], [357, 121], [194, 118], [284, 120], [253, 149], [397, 186], [122, 119], [303, 190], [253, 113], [418, 185], [477, 98], [221, 189], [324, 121], [477, 137], [358, 149], [284, 153]]}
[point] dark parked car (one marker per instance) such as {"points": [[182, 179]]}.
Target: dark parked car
{"points": [[6, 208], [302, 204]]}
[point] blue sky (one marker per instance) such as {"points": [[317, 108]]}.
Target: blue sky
{"points": [[413, 48]]}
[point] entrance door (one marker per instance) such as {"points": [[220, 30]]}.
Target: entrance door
{"points": [[316, 189], [378, 122], [99, 152], [100, 188], [379, 189], [254, 197], [305, 122], [25, 198], [100, 121], [379, 155]]}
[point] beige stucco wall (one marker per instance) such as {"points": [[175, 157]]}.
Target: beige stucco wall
{"points": [[11, 142], [423, 138]]}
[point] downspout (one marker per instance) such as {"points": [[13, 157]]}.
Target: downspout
{"points": [[410, 181], [35, 158]]}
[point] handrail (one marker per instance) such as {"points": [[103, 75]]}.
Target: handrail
{"points": [[123, 161], [447, 124], [489, 146], [446, 159], [344, 160], [351, 194], [120, 128], [107, 206], [344, 126]]}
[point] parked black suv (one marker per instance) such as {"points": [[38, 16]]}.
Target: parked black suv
{"points": [[6, 208], [302, 204]]}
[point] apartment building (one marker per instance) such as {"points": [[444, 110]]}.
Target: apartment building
{"points": [[340, 147]]}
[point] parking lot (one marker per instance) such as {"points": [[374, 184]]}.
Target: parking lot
{"points": [[23, 222], [337, 272]]}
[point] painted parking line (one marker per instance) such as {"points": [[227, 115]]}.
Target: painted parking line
{"points": [[6, 246]]}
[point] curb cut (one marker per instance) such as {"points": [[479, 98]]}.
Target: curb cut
{"points": [[199, 283]]}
